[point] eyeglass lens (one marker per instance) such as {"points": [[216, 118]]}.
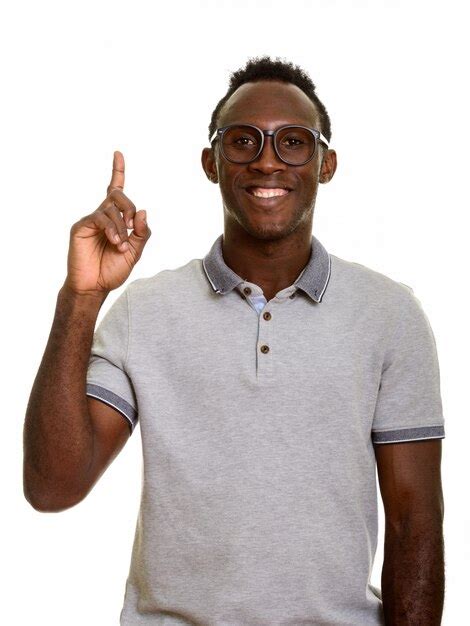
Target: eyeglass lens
{"points": [[295, 145]]}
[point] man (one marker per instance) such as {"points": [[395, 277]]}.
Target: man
{"points": [[269, 378]]}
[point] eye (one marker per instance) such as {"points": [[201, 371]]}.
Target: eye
{"points": [[292, 141], [241, 140]]}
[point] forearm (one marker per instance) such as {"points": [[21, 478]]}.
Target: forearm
{"points": [[413, 575], [58, 434]]}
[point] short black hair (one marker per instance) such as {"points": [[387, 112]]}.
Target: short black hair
{"points": [[265, 68]]}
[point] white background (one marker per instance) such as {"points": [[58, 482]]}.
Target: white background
{"points": [[82, 79]]}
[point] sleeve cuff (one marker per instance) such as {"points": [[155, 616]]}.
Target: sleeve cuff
{"points": [[408, 434], [112, 399]]}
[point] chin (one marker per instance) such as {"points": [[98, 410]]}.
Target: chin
{"points": [[261, 225], [268, 230]]}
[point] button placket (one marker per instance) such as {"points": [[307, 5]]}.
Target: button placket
{"points": [[264, 347], [264, 365]]}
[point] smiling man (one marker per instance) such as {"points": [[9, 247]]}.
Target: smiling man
{"points": [[271, 379], [268, 180]]}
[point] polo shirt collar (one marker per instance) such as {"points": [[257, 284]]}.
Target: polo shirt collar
{"points": [[313, 279]]}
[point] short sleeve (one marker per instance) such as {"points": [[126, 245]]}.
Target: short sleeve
{"points": [[107, 378], [409, 404]]}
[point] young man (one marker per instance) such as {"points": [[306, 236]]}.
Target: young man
{"points": [[269, 378]]}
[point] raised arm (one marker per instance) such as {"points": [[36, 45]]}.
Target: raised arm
{"points": [[69, 438]]}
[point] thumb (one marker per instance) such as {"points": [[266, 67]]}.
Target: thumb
{"points": [[141, 231]]}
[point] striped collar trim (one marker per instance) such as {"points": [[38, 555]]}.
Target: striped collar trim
{"points": [[313, 279]]}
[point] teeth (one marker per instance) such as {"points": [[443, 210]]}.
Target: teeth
{"points": [[261, 192]]}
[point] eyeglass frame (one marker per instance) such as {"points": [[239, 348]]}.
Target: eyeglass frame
{"points": [[319, 138]]}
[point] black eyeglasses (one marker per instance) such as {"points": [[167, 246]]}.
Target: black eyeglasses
{"points": [[243, 143]]}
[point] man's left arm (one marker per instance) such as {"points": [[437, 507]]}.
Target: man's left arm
{"points": [[413, 569]]}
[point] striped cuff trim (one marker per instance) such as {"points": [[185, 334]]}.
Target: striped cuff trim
{"points": [[118, 403], [408, 434]]}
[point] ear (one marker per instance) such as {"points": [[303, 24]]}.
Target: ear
{"points": [[328, 166], [209, 165]]}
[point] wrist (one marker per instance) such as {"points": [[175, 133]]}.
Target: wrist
{"points": [[87, 299]]}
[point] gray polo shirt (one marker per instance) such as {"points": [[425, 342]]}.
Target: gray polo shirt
{"points": [[257, 419]]}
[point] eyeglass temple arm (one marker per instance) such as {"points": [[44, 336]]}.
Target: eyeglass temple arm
{"points": [[324, 140]]}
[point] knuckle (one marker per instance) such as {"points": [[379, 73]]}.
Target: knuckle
{"points": [[99, 217], [113, 192], [101, 209]]}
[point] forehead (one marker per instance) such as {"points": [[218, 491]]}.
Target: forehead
{"points": [[268, 104]]}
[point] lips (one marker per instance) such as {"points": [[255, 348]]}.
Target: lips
{"points": [[267, 192]]}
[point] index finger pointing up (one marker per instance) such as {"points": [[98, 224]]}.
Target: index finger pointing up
{"points": [[117, 178]]}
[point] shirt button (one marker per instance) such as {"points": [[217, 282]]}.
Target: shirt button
{"points": [[247, 290], [264, 349], [267, 315]]}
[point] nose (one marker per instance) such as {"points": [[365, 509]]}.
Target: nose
{"points": [[267, 161]]}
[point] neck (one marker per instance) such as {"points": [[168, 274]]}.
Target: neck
{"points": [[272, 264]]}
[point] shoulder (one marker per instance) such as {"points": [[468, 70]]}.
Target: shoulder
{"points": [[167, 283], [367, 284]]}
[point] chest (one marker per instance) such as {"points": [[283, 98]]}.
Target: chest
{"points": [[293, 351]]}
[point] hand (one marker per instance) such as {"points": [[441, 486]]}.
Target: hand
{"points": [[97, 262]]}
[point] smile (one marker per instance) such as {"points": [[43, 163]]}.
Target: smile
{"points": [[264, 193]]}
